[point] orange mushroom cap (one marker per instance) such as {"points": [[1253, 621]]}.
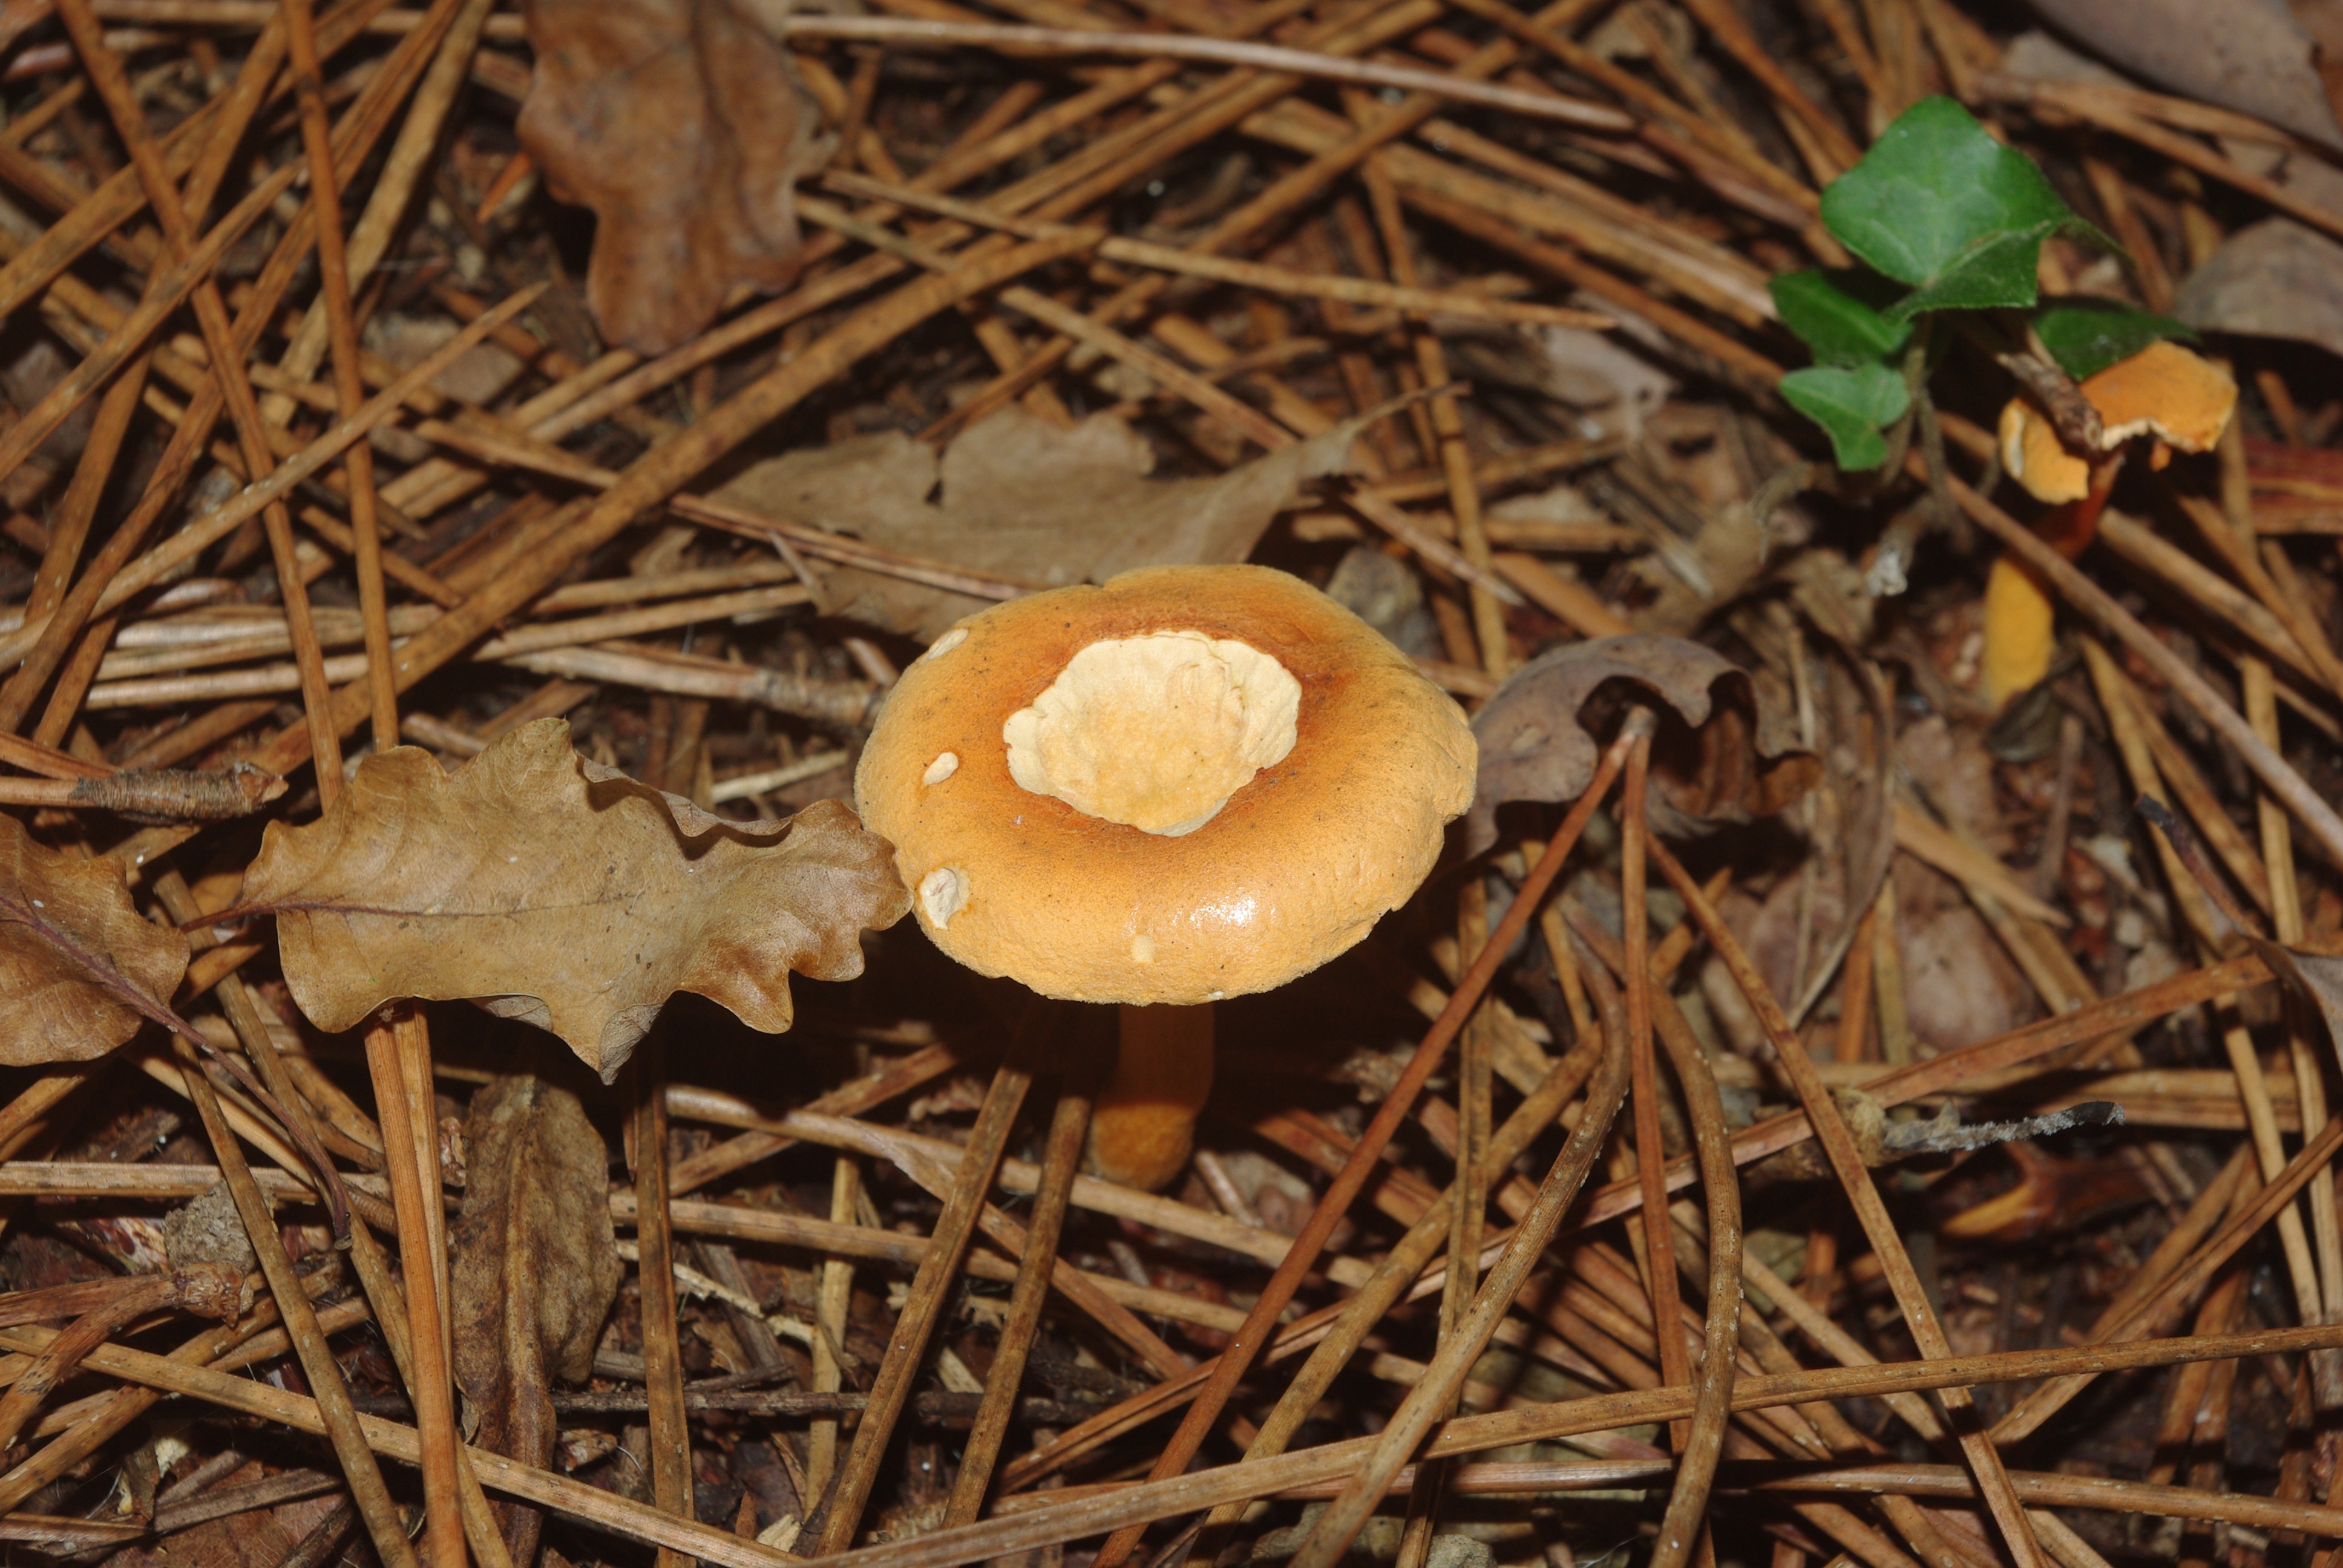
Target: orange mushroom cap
{"points": [[2036, 458], [2180, 398]]}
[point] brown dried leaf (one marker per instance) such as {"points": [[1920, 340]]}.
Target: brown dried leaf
{"points": [[682, 125], [1724, 762], [2276, 279], [73, 954], [1025, 499], [562, 895], [2253, 55], [534, 1269]]}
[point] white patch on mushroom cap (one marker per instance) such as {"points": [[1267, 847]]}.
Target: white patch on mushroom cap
{"points": [[945, 643], [943, 893], [1155, 732], [945, 764]]}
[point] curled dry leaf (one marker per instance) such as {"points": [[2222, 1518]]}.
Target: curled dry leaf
{"points": [[574, 901], [681, 124], [79, 969], [1726, 761], [534, 1269]]}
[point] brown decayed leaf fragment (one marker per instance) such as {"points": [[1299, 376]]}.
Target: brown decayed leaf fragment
{"points": [[1726, 761], [576, 902], [73, 950], [680, 123], [534, 1271]]}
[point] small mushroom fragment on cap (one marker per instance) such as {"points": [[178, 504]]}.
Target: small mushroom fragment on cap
{"points": [[1190, 783], [2180, 400]]}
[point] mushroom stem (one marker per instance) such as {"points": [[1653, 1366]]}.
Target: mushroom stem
{"points": [[1145, 1122]]}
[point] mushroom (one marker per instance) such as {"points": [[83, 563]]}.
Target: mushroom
{"points": [[1187, 784], [2180, 399]]}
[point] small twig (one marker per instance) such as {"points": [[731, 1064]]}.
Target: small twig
{"points": [[154, 795], [2074, 416], [349, 390], [1650, 1154], [1944, 1137], [202, 1291], [2191, 855]]}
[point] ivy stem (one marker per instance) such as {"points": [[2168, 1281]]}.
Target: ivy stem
{"points": [[1897, 542], [1932, 434]]}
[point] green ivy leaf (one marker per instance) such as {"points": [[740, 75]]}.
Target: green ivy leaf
{"points": [[2087, 335], [1996, 272], [1853, 406], [1938, 204], [1835, 315]]}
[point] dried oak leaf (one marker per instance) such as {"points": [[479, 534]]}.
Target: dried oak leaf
{"points": [[567, 896], [73, 951], [534, 1269], [1017, 495], [682, 125], [1726, 761]]}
